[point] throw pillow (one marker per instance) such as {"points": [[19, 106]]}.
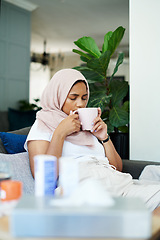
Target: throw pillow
{"points": [[13, 143], [20, 170]]}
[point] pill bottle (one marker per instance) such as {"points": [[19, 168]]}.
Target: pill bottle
{"points": [[45, 172], [68, 175]]}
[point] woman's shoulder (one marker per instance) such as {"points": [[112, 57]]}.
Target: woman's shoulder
{"points": [[36, 133]]}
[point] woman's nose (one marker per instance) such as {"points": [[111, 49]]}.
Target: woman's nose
{"points": [[80, 102]]}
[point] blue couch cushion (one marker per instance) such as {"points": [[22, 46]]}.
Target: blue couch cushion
{"points": [[13, 143]]}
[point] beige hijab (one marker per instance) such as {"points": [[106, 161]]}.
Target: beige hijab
{"points": [[52, 101]]}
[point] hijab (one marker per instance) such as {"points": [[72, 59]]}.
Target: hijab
{"points": [[52, 101]]}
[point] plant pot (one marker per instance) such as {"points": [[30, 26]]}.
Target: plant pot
{"points": [[20, 119], [121, 143]]}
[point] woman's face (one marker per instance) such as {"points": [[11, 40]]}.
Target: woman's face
{"points": [[77, 98]]}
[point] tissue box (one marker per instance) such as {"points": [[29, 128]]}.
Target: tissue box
{"points": [[36, 217]]}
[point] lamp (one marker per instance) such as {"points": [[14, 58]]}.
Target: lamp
{"points": [[41, 58]]}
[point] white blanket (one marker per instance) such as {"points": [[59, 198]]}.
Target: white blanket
{"points": [[120, 184], [151, 173]]}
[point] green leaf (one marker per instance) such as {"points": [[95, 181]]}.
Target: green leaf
{"points": [[118, 117], [93, 76], [105, 118], [119, 62], [90, 75], [123, 129], [82, 68], [97, 91], [126, 106], [105, 115], [115, 39], [119, 90], [92, 81], [110, 128], [81, 53], [99, 101], [89, 45], [100, 65], [106, 39], [84, 59]]}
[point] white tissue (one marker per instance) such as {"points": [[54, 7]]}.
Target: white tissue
{"points": [[89, 192]]}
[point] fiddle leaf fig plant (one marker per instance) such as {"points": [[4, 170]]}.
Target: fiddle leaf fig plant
{"points": [[106, 92]]}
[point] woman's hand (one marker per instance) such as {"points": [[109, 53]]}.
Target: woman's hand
{"points": [[69, 125], [100, 131], [99, 127]]}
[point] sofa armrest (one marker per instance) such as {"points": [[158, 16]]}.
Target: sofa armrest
{"points": [[22, 131], [135, 167]]}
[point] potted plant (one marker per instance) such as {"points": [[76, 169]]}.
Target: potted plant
{"points": [[24, 105], [24, 116], [106, 92]]}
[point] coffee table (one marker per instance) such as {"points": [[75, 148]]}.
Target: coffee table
{"points": [[50, 217], [5, 234]]}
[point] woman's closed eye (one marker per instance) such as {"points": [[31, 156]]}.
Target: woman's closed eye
{"points": [[85, 97], [73, 98]]}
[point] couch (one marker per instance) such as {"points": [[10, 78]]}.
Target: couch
{"points": [[21, 171], [19, 161], [15, 119]]}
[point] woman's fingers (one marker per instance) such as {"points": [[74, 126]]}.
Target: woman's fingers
{"points": [[99, 112], [75, 122], [98, 126], [96, 120], [70, 124]]}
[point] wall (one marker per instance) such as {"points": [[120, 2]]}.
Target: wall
{"points": [[14, 55], [40, 75], [144, 80]]}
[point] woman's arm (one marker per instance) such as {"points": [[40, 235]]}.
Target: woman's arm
{"points": [[112, 155], [100, 131], [68, 126], [36, 147]]}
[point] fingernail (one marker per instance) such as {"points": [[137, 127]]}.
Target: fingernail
{"points": [[92, 130]]}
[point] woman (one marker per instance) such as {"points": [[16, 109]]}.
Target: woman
{"points": [[57, 131]]}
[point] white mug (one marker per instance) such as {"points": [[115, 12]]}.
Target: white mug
{"points": [[86, 117]]}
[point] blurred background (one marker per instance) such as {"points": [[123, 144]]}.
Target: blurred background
{"points": [[37, 38], [40, 37]]}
